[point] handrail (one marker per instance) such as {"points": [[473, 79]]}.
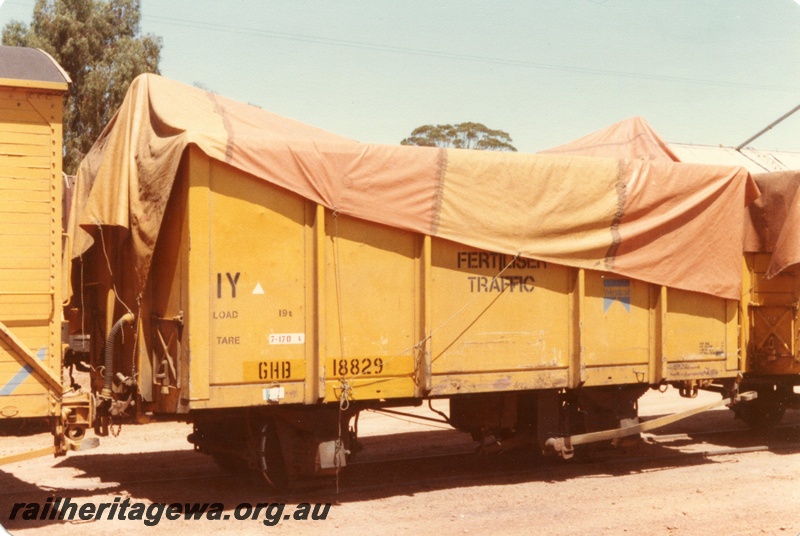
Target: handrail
{"points": [[66, 283], [25, 293]]}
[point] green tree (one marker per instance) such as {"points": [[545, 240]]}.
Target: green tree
{"points": [[460, 136], [98, 43]]}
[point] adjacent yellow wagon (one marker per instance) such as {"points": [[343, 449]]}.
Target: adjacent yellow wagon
{"points": [[32, 86]]}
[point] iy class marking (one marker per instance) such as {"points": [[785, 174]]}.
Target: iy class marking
{"points": [[233, 279]]}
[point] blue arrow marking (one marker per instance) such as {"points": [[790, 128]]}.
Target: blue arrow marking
{"points": [[22, 375]]}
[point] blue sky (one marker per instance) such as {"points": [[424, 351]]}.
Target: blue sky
{"points": [[700, 71]]}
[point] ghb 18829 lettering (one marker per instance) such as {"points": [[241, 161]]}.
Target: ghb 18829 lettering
{"points": [[274, 370], [365, 366]]}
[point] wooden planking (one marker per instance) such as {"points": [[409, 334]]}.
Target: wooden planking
{"points": [[21, 149], [17, 183], [24, 263], [25, 219], [23, 283], [23, 229], [25, 161], [18, 103], [15, 100], [40, 138], [26, 196], [10, 240], [24, 206], [26, 128], [23, 298], [40, 275], [38, 405], [30, 243], [28, 311], [24, 115], [20, 382], [31, 386], [35, 338], [9, 106], [42, 173], [25, 252]]}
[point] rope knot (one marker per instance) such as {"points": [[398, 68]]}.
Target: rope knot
{"points": [[344, 397]]}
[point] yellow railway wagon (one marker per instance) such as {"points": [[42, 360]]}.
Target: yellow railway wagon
{"points": [[32, 86], [772, 304], [771, 294], [277, 299], [271, 311], [771, 364], [31, 89], [264, 307]]}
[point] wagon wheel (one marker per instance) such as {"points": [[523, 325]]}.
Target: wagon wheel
{"points": [[232, 464], [270, 462], [765, 412], [225, 444]]}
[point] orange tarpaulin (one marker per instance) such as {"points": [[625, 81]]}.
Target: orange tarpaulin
{"points": [[630, 139], [659, 221], [690, 208], [774, 223]]}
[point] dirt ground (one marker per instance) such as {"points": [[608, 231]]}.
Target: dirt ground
{"points": [[747, 493]]}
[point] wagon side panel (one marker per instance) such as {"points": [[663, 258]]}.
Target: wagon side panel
{"points": [[30, 252]]}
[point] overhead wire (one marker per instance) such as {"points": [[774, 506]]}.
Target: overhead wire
{"points": [[493, 60], [272, 34]]}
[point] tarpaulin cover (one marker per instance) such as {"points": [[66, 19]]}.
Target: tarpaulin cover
{"points": [[774, 223], [656, 220], [630, 139], [635, 139]]}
